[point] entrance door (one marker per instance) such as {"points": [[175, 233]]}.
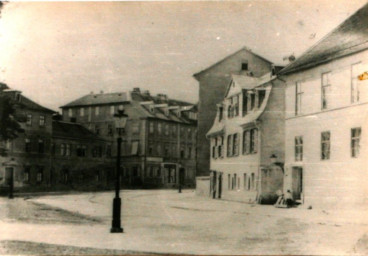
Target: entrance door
{"points": [[297, 182]]}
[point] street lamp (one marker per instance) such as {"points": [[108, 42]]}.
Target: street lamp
{"points": [[120, 121], [9, 175]]}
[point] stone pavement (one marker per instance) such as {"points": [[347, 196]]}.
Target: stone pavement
{"points": [[167, 222]]}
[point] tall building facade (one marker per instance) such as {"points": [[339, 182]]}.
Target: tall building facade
{"points": [[159, 141], [213, 82], [326, 117]]}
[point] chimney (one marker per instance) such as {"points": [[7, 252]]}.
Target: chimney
{"points": [[136, 90], [146, 92], [162, 97], [91, 93], [101, 92]]}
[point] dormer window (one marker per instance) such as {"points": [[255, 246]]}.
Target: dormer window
{"points": [[220, 113], [244, 66], [151, 109]]}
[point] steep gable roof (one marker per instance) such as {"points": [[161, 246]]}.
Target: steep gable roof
{"points": [[99, 99], [196, 75], [243, 81], [349, 37]]}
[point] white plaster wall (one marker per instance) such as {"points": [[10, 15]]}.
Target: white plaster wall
{"points": [[341, 179]]}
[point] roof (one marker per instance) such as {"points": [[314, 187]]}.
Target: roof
{"points": [[99, 99], [253, 116], [72, 131], [229, 56], [349, 37], [26, 102]]}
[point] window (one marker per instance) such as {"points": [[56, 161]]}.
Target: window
{"points": [[261, 96], [108, 151], [41, 146], [97, 129], [298, 148], [182, 152], [110, 130], [112, 110], [166, 150], [244, 66], [62, 149], [228, 182], [151, 127], [173, 132], [245, 181], [29, 120], [220, 113], [27, 145], [229, 145], [159, 128], [245, 102], [81, 150], [220, 146], [252, 97], [229, 111], [97, 111], [236, 105], [325, 145], [40, 174], [189, 152], [355, 141], [135, 147], [214, 145], [326, 88], [150, 150], [67, 150], [166, 129], [158, 149], [355, 70], [81, 113], [70, 112], [253, 140], [27, 174], [298, 98], [235, 145], [253, 186], [190, 134], [246, 142], [42, 121], [135, 127]]}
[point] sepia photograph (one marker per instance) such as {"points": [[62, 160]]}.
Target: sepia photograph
{"points": [[184, 127]]}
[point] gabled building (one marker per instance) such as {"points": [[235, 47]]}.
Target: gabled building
{"points": [[31, 150], [247, 140], [213, 82], [159, 138], [326, 117]]}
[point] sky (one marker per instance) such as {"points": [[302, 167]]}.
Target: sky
{"points": [[56, 52]]}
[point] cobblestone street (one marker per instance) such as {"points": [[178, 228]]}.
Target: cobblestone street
{"points": [[163, 221]]}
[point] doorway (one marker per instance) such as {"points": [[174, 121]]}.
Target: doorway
{"points": [[297, 183]]}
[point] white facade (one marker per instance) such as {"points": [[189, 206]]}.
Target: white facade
{"points": [[328, 99], [237, 152]]}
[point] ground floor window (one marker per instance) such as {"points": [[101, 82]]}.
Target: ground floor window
{"points": [[40, 174], [27, 174]]}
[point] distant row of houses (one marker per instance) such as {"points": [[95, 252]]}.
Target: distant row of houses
{"points": [[77, 149], [264, 129]]}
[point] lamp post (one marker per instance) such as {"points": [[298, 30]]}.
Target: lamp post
{"points": [[120, 121]]}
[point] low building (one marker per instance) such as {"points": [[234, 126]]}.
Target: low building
{"points": [[80, 159], [326, 118], [159, 138], [247, 140]]}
